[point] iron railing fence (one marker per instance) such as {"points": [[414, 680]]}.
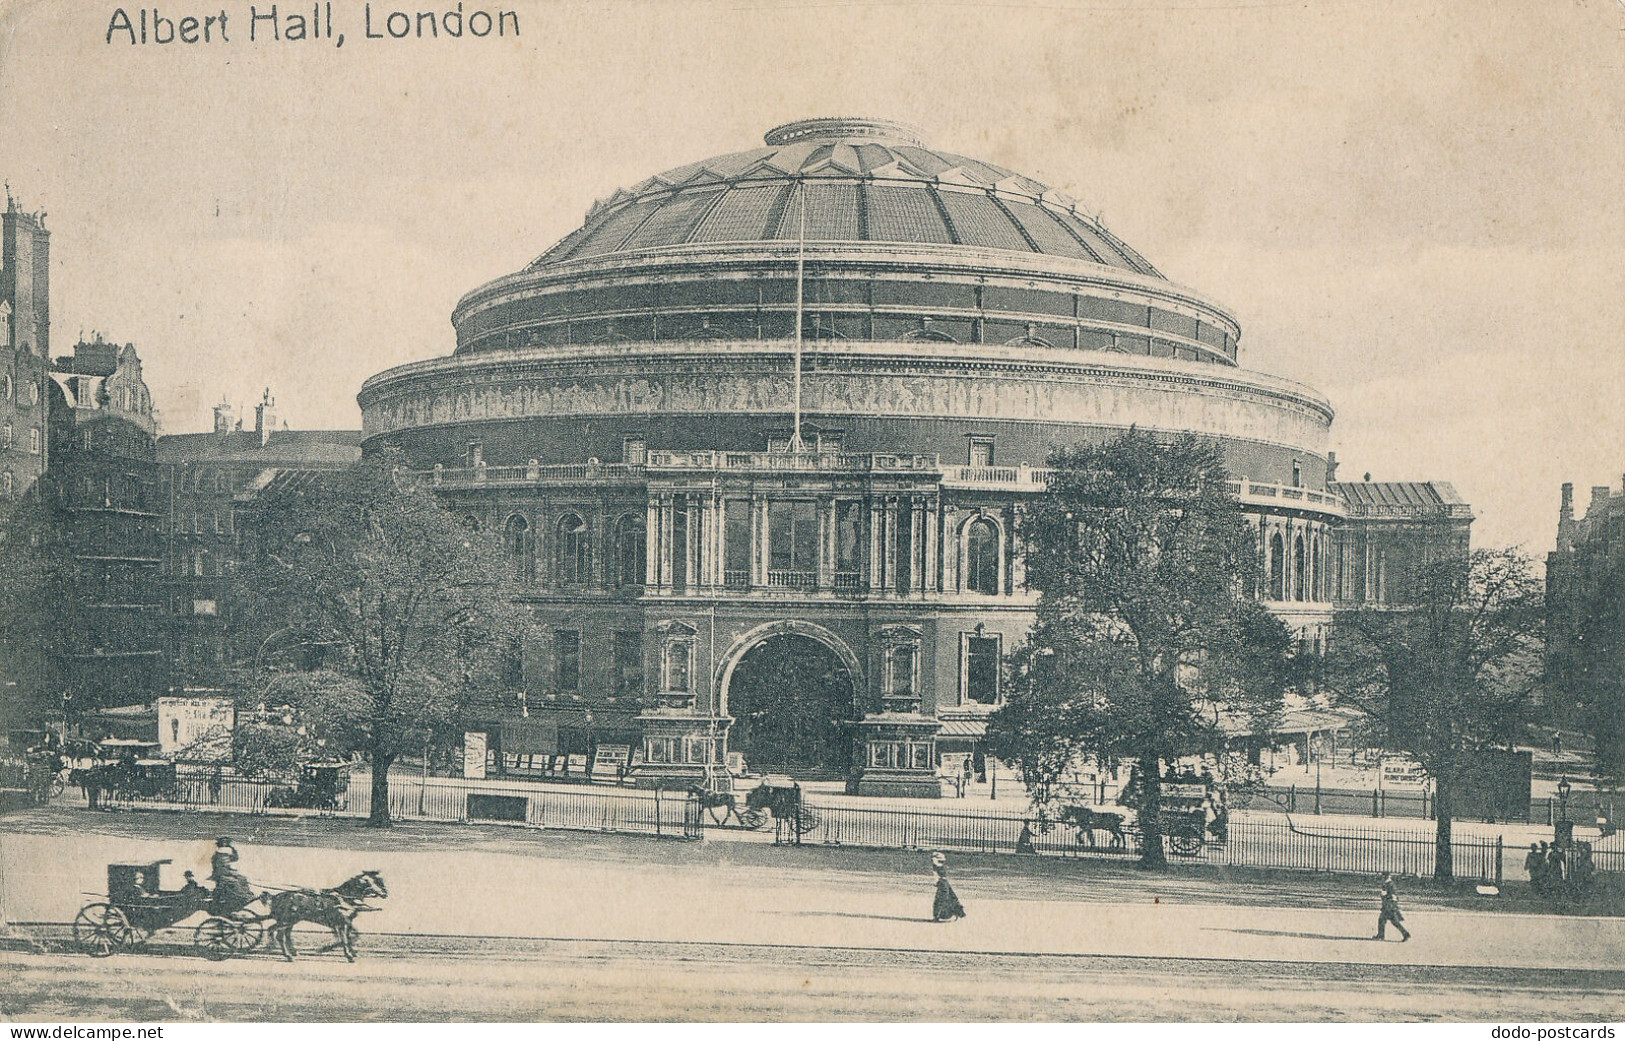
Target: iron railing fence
{"points": [[624, 811], [1284, 844]]}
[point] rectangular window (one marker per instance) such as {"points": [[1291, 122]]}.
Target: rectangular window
{"points": [[628, 651], [679, 667], [476, 454], [981, 451], [982, 660], [848, 536], [567, 659], [792, 536], [903, 546], [736, 549], [634, 451], [1297, 473], [900, 674]]}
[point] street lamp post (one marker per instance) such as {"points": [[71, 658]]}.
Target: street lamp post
{"points": [[1563, 789]]}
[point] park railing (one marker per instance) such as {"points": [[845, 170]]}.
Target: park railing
{"points": [[623, 811], [1283, 844]]}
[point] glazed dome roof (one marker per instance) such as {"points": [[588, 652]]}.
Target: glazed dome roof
{"points": [[857, 180]]}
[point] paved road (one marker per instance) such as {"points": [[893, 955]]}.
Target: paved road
{"points": [[590, 924], [487, 979]]}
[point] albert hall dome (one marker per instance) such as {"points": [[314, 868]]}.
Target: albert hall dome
{"points": [[859, 181]]}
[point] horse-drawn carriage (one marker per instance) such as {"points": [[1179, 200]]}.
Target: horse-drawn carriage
{"points": [[776, 798], [123, 770], [137, 906], [323, 785], [1192, 814]]}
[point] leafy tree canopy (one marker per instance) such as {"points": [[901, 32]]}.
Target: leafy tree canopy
{"points": [[1144, 564], [403, 597], [1451, 673]]}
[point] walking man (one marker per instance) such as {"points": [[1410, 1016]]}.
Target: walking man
{"points": [[1391, 912]]}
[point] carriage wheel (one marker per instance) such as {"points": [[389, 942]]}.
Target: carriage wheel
{"points": [[250, 930], [752, 818], [1185, 845], [217, 938], [58, 786], [806, 820], [102, 929]]}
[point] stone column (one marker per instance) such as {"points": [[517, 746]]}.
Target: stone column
{"points": [[691, 544], [707, 541], [651, 544], [826, 543], [759, 541], [888, 550], [875, 544], [668, 515], [933, 555], [916, 545]]}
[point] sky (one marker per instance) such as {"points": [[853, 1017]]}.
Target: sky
{"points": [[1415, 208]]}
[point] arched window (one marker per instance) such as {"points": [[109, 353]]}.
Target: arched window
{"points": [[521, 549], [1299, 566], [572, 560], [1277, 567], [981, 558], [33, 441], [5, 386], [629, 551]]}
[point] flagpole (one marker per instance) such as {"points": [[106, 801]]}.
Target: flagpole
{"points": [[801, 271]]}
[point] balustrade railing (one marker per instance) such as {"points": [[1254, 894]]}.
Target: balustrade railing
{"points": [[780, 579], [1017, 478]]}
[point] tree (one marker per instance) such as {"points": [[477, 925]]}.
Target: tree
{"points": [[1449, 674], [1144, 565], [404, 598]]}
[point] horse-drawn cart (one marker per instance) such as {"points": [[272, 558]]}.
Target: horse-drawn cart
{"points": [[776, 799], [322, 785], [137, 906]]}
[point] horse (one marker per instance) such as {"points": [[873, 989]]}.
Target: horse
{"points": [[335, 908], [97, 782], [1089, 821], [712, 801]]}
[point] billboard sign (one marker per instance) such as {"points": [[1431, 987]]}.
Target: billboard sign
{"points": [[196, 729]]}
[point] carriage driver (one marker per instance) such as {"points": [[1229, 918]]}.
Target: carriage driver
{"points": [[230, 887]]}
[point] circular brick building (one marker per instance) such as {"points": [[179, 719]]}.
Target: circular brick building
{"points": [[795, 543]]}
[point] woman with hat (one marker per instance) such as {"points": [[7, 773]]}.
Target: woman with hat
{"points": [[946, 907], [231, 889]]}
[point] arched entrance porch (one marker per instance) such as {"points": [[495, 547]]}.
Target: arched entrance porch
{"points": [[791, 689]]}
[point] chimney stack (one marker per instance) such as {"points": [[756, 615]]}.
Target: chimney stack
{"points": [[265, 416], [222, 417]]}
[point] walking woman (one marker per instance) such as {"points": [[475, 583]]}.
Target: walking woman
{"points": [[946, 907]]}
